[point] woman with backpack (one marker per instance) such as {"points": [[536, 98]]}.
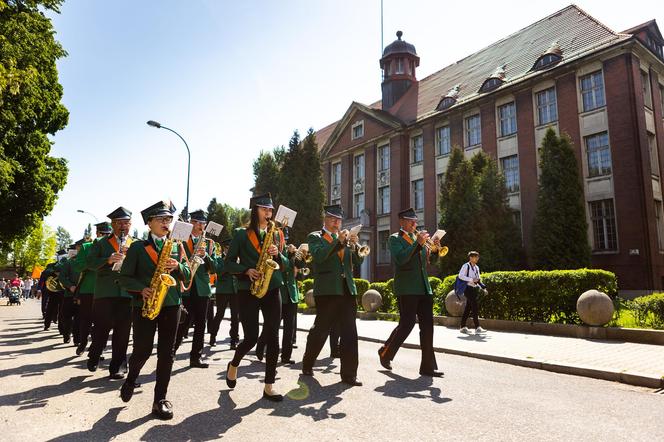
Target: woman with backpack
{"points": [[470, 274]]}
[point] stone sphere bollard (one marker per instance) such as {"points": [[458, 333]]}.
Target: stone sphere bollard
{"points": [[371, 300], [453, 305], [309, 298], [594, 307]]}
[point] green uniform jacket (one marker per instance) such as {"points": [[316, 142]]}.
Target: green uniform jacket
{"points": [[242, 248], [138, 268], [289, 292], [106, 284], [87, 284], [226, 283], [410, 266], [328, 271], [68, 276], [202, 276]]}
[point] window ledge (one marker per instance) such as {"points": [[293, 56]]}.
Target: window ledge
{"points": [[474, 146], [515, 193], [547, 125], [417, 163], [443, 155], [599, 178], [605, 252], [592, 111], [507, 137]]}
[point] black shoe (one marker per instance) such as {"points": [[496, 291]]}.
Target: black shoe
{"points": [[384, 361], [287, 361], [127, 391], [229, 382], [273, 397], [432, 373], [46, 327], [294, 346], [260, 352], [213, 342], [307, 371], [66, 339], [92, 364], [196, 363], [163, 409], [233, 345], [117, 376], [353, 382], [79, 350], [101, 358]]}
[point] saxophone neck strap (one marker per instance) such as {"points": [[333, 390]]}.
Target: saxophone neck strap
{"points": [[152, 253], [253, 239], [113, 241]]}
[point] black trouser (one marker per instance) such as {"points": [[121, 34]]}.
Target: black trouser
{"points": [[288, 311], [196, 307], [222, 300], [295, 326], [166, 323], [331, 309], [69, 318], [111, 313], [410, 308], [84, 318], [270, 306], [471, 294], [334, 338], [52, 308], [44, 302]]}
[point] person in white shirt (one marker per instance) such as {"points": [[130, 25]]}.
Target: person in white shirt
{"points": [[470, 272]]}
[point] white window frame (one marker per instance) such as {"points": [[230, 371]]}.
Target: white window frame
{"points": [[468, 130], [511, 170], [595, 92], [416, 145], [355, 125], [443, 140], [546, 106], [507, 119], [598, 150], [414, 194], [383, 152], [381, 208], [606, 225]]}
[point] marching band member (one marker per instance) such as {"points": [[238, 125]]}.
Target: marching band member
{"points": [[112, 304], [136, 276], [53, 298], [69, 278], [411, 286], [196, 299], [243, 256], [86, 287], [335, 293], [225, 295]]}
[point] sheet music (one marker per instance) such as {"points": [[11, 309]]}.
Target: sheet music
{"points": [[304, 247], [356, 230], [438, 235], [214, 228], [71, 253], [285, 216], [181, 231]]}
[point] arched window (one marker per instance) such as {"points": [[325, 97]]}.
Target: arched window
{"points": [[491, 84], [546, 61], [446, 103]]}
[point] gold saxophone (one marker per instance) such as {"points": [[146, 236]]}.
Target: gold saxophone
{"points": [[194, 263], [266, 265], [160, 283]]}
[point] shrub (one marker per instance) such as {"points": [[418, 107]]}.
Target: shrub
{"points": [[362, 285], [307, 285], [649, 310], [389, 300], [539, 296]]}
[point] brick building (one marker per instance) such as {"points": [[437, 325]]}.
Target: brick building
{"points": [[605, 89]]}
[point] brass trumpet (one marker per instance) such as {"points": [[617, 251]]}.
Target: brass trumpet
{"points": [[302, 254]]}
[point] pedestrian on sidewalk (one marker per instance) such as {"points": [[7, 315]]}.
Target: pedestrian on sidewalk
{"points": [[470, 272], [410, 252]]}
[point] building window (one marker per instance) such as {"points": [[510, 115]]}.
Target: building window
{"points": [[440, 182], [383, 248], [445, 103], [660, 225], [383, 158], [645, 87], [547, 109], [654, 155], [358, 204], [384, 200], [661, 97], [399, 69], [443, 142], [473, 131], [417, 149], [418, 194], [335, 180], [507, 117], [510, 167], [599, 155], [546, 61], [603, 221], [592, 91], [357, 130], [491, 84], [358, 168], [336, 174]]}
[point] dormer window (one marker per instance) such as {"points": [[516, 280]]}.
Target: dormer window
{"points": [[491, 84], [445, 103], [357, 130], [399, 68], [546, 61]]}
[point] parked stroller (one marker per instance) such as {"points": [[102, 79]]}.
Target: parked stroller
{"points": [[14, 296]]}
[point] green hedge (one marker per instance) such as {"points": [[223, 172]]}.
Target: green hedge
{"points": [[538, 296], [649, 310]]}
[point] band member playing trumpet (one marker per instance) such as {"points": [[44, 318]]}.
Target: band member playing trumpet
{"points": [[225, 296], [246, 251], [112, 304], [334, 255], [410, 254], [143, 263], [197, 298], [86, 287], [69, 277]]}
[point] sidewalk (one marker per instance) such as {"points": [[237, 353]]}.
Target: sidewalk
{"points": [[631, 363]]}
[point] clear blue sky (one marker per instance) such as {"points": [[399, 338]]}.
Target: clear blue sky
{"points": [[237, 77]]}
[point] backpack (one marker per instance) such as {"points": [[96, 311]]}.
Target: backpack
{"points": [[460, 285]]}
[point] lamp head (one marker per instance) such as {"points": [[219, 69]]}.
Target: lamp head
{"points": [[154, 124]]}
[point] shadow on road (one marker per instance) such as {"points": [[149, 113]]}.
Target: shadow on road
{"points": [[419, 388]]}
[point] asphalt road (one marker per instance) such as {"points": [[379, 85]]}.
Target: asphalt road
{"points": [[46, 393]]}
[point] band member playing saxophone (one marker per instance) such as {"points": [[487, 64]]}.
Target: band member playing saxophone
{"points": [[334, 256], [196, 299], [149, 273], [112, 305], [410, 254], [225, 296], [255, 256]]}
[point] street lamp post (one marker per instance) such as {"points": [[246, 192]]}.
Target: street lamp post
{"points": [[92, 215], [159, 126]]}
